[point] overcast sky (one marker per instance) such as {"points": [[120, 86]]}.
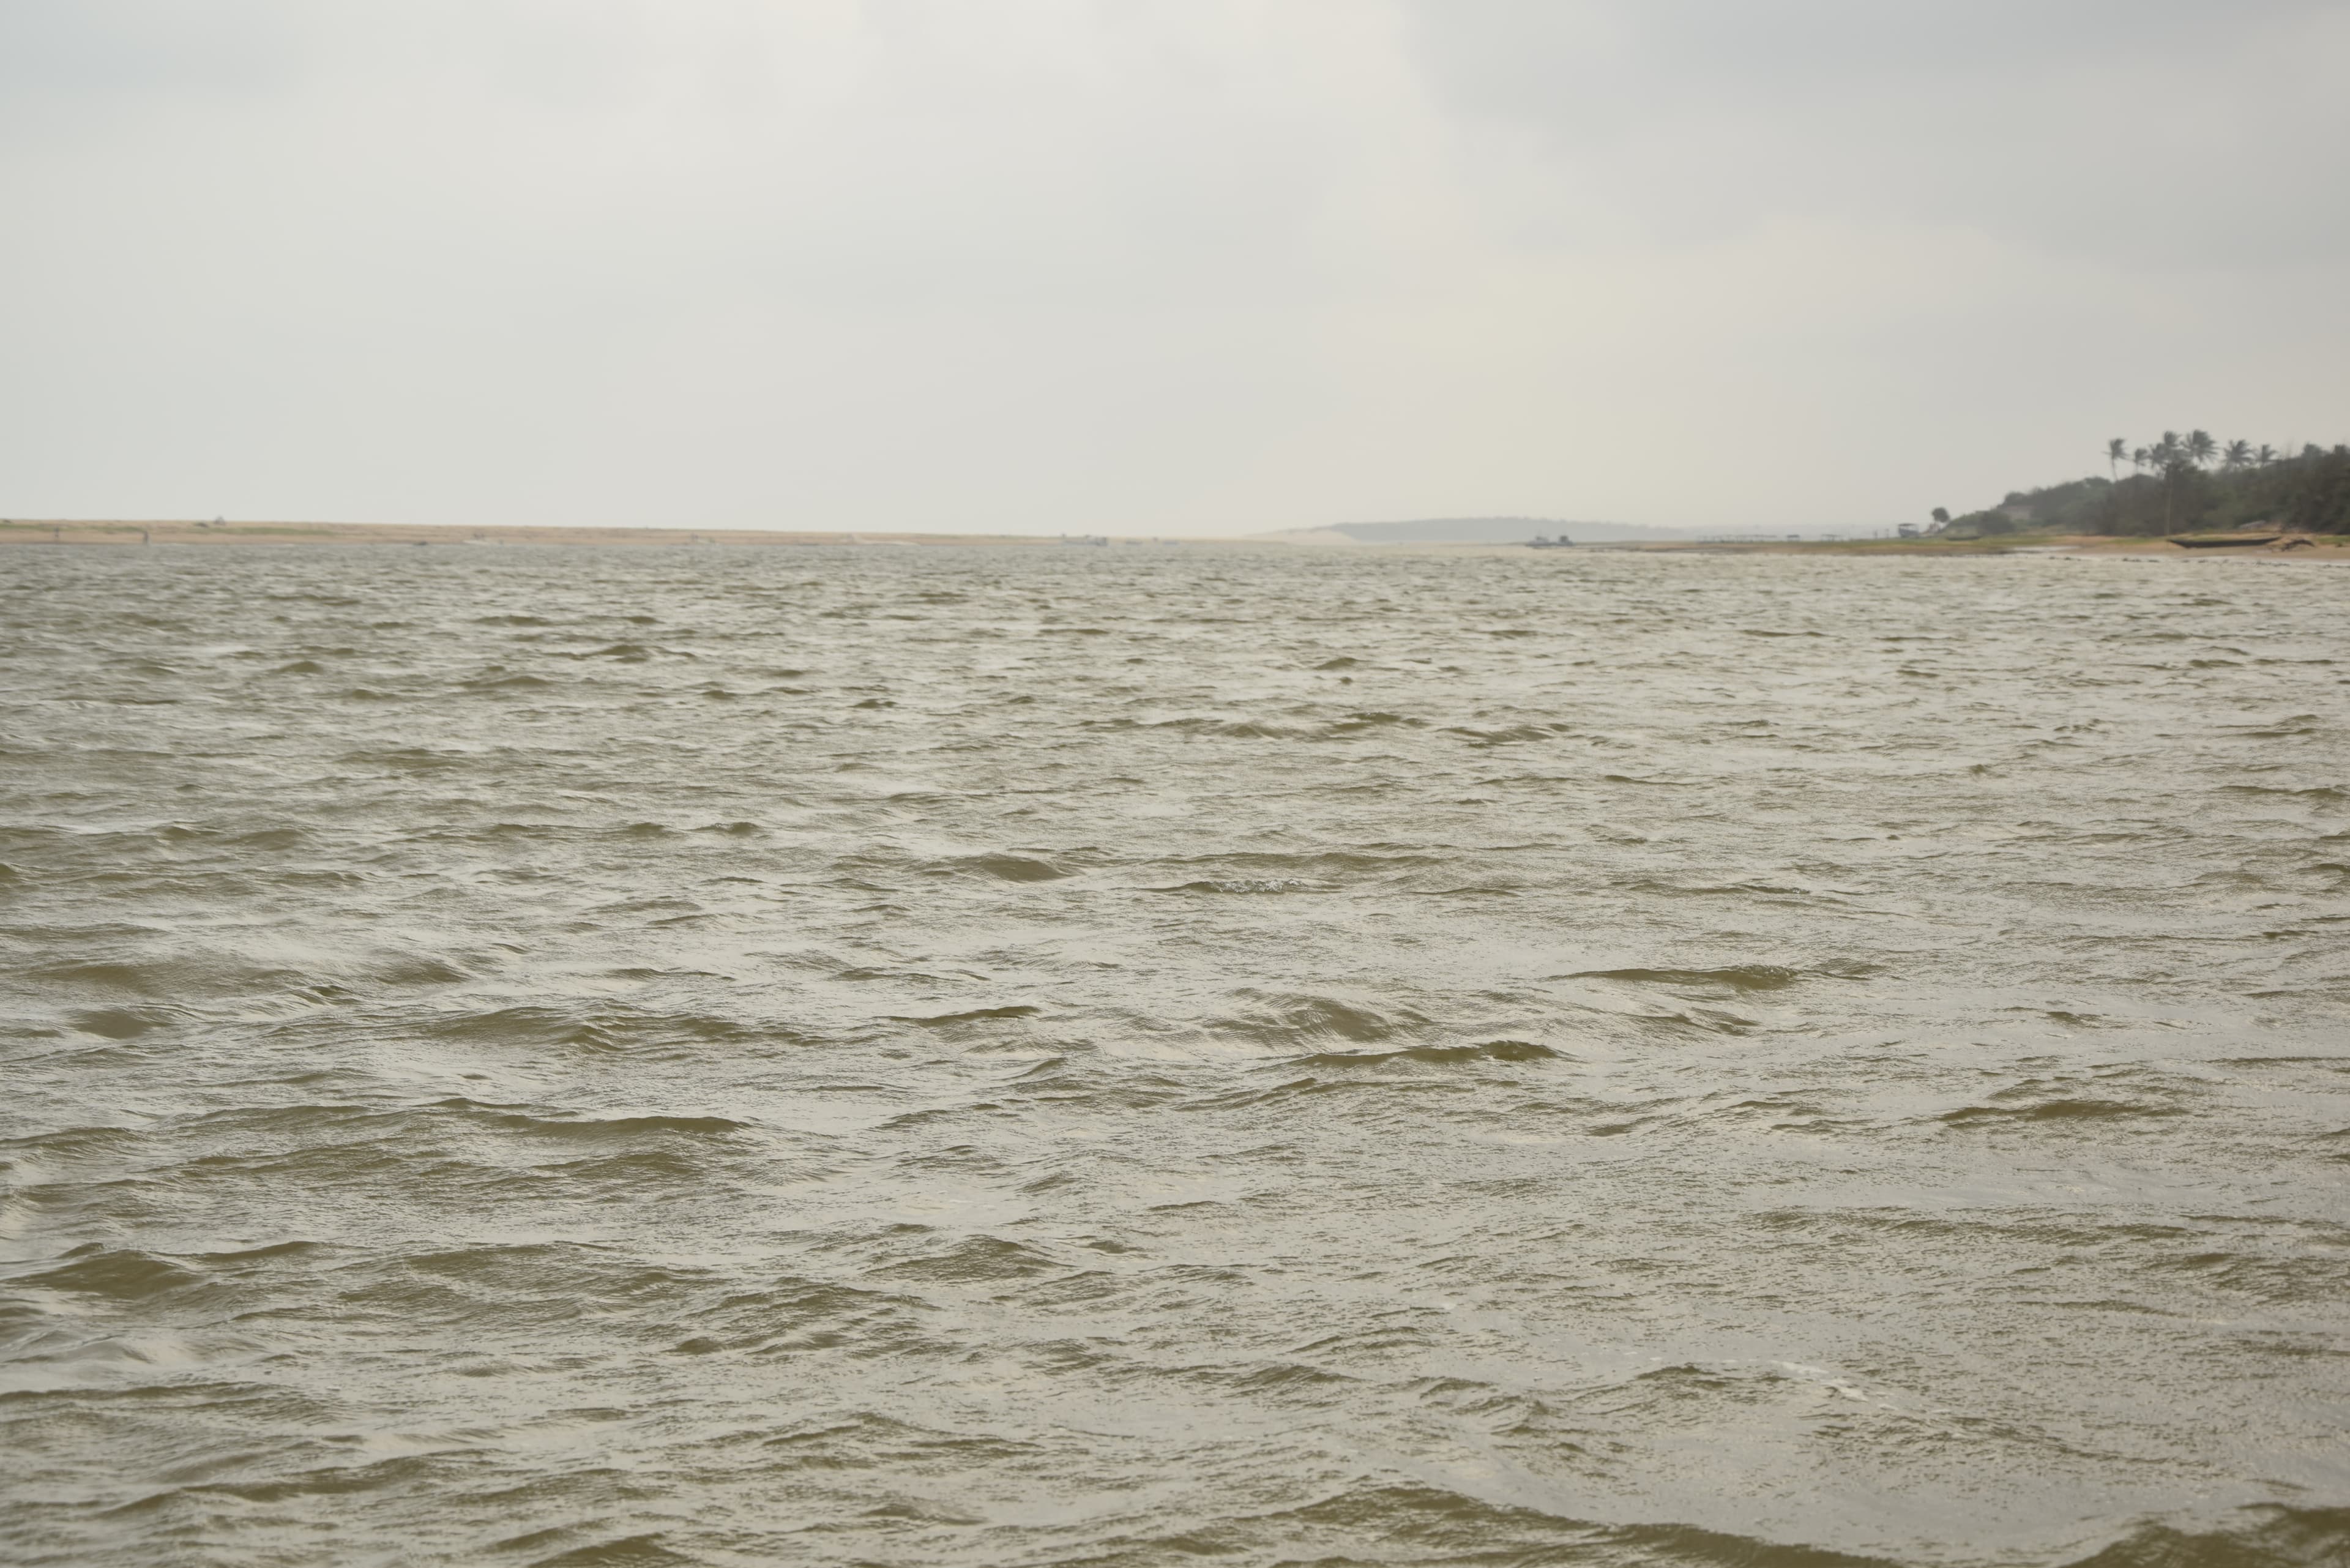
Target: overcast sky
{"points": [[1153, 266]]}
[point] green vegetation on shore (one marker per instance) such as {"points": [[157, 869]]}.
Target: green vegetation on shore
{"points": [[2182, 485]]}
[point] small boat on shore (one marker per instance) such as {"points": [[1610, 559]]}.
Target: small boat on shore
{"points": [[2222, 541], [1543, 542]]}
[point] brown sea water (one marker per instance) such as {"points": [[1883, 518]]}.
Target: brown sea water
{"points": [[1151, 1056]]}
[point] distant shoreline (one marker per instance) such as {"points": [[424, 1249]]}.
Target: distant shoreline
{"points": [[2323, 547], [65, 530]]}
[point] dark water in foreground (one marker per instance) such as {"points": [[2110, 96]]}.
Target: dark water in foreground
{"points": [[954, 1057]]}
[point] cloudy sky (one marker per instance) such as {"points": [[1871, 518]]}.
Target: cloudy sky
{"points": [[1153, 266]]}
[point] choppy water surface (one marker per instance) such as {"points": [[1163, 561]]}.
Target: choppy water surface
{"points": [[958, 1057]]}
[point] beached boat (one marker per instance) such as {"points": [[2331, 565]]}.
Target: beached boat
{"points": [[2222, 541]]}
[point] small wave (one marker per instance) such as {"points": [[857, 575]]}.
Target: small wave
{"points": [[1728, 890], [631, 1170], [1011, 867], [2327, 793], [592, 1129], [73, 1142], [868, 1440], [2291, 727], [414, 969], [982, 1259], [1303, 1020], [566, 1274], [118, 1024], [1435, 1055], [1419, 1523], [1515, 735], [628, 1552], [976, 1015], [2272, 1536], [1736, 977], [262, 1254], [1368, 723], [1230, 729], [175, 978], [293, 1118], [526, 1027], [1285, 1378], [2056, 1111], [411, 759], [125, 1275]]}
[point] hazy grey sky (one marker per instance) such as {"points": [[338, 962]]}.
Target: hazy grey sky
{"points": [[1153, 266]]}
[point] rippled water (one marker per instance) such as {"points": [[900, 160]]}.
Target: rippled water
{"points": [[1146, 1056]]}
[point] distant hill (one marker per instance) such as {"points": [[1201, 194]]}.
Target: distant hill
{"points": [[1471, 531]]}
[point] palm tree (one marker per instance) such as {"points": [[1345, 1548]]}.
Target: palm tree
{"points": [[2266, 455], [2238, 454], [2116, 450], [2199, 447], [2169, 454]]}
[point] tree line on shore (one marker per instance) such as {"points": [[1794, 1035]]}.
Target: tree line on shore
{"points": [[2179, 484]]}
